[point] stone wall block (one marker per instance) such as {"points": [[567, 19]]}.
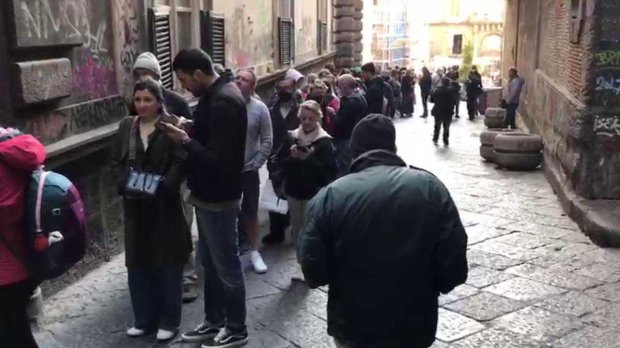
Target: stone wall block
{"points": [[345, 50], [342, 3], [358, 25], [42, 80], [358, 47], [344, 24], [344, 37], [347, 11], [358, 15], [359, 5], [345, 62]]}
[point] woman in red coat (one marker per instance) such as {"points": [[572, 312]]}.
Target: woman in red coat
{"points": [[19, 156]]}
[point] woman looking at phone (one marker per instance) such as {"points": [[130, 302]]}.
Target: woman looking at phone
{"points": [[308, 163], [157, 241]]}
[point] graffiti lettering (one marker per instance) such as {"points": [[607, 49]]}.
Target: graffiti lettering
{"points": [[610, 28], [46, 23], [608, 126], [610, 84], [607, 59]]}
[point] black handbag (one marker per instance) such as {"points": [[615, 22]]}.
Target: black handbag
{"points": [[140, 184]]}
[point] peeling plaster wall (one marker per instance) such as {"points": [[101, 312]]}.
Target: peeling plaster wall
{"points": [[249, 34]]}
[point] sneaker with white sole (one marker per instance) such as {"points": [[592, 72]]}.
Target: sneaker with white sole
{"points": [[165, 335], [202, 332], [228, 338], [257, 262], [135, 332]]}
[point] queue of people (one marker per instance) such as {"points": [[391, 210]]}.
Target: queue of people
{"points": [[328, 141]]}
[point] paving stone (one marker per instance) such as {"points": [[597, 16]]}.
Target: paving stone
{"points": [[601, 272], [608, 316], [507, 250], [538, 324], [485, 306], [521, 289], [607, 292], [540, 230], [526, 240], [481, 277], [554, 277], [497, 338], [608, 256], [577, 237], [572, 303], [479, 233], [560, 251], [453, 326], [458, 293], [439, 344], [483, 258], [591, 337]]}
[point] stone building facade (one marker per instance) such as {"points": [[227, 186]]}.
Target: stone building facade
{"points": [[568, 53], [66, 73]]}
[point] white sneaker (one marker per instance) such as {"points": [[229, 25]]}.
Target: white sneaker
{"points": [[164, 335], [134, 332], [257, 262]]}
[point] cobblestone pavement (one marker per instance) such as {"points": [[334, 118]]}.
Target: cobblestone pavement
{"points": [[534, 281]]}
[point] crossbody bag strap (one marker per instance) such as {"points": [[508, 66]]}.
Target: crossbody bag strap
{"points": [[133, 133]]}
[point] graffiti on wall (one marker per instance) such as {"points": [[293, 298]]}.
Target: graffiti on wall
{"points": [[607, 125], [127, 33]]}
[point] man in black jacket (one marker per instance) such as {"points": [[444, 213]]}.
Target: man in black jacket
{"points": [[216, 155], [352, 110], [387, 239], [283, 119], [374, 88], [444, 100]]}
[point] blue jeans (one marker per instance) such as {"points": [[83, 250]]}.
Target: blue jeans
{"points": [[156, 297], [511, 115], [224, 291]]}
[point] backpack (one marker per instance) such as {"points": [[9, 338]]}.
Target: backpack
{"points": [[53, 204]]}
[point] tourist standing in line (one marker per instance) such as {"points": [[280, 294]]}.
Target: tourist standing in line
{"points": [[408, 91], [257, 149], [19, 156], [216, 152], [308, 163], [385, 270], [352, 109], [473, 89], [283, 119], [157, 238], [147, 65], [511, 97], [426, 85]]}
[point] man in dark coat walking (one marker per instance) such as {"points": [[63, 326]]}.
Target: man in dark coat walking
{"points": [[444, 100], [474, 89], [387, 239]]}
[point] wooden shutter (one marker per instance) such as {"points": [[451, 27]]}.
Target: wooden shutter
{"points": [[213, 36], [160, 42], [285, 32], [322, 36]]}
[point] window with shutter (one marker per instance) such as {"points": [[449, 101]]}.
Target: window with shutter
{"points": [[285, 28], [322, 39], [214, 36], [160, 44]]}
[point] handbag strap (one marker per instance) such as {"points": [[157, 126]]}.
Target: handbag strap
{"points": [[133, 133]]}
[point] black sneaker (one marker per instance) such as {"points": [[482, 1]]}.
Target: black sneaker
{"points": [[228, 338], [201, 333]]}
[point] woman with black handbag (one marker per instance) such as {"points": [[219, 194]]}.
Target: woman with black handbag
{"points": [[157, 238]]}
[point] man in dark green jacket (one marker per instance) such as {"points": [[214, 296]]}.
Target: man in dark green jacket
{"points": [[387, 239]]}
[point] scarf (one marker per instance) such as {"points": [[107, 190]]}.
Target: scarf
{"points": [[309, 138]]}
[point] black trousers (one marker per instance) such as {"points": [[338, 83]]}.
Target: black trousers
{"points": [[445, 121], [15, 329], [278, 224], [472, 107], [156, 297], [425, 95]]}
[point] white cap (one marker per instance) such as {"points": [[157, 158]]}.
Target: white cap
{"points": [[294, 75], [148, 61]]}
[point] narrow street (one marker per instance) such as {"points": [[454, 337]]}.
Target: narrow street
{"points": [[534, 279]]}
